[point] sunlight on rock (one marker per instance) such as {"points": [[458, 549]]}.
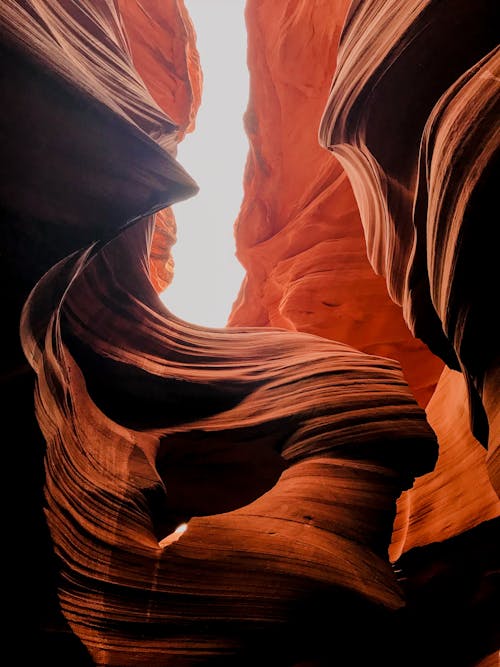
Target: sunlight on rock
{"points": [[173, 537]]}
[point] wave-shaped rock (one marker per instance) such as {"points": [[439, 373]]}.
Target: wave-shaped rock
{"points": [[298, 233], [209, 492], [458, 494], [415, 126], [142, 413]]}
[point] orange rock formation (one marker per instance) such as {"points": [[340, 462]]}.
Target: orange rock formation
{"points": [[420, 152], [283, 451], [299, 234], [301, 238]]}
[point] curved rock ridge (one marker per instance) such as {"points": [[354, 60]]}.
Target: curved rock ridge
{"points": [[72, 60], [458, 494], [210, 492], [298, 233], [283, 452], [85, 45], [89, 46], [77, 165], [127, 394], [421, 154], [162, 44]]}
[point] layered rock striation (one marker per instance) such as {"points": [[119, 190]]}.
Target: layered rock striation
{"points": [[143, 413], [411, 117], [280, 453], [415, 126], [298, 233]]}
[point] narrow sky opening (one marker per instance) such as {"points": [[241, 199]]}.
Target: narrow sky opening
{"points": [[207, 274]]}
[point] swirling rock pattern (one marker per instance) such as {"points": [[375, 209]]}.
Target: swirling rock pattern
{"points": [[129, 398], [298, 233], [300, 237], [282, 452], [400, 140], [77, 165], [144, 414], [457, 495], [416, 128]]}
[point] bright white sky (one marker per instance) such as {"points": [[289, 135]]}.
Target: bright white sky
{"points": [[207, 274]]}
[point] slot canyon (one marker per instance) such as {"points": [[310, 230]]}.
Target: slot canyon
{"points": [[317, 483]]}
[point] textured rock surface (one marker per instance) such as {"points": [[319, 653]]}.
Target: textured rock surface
{"points": [[284, 452], [161, 262], [420, 151], [337, 430], [144, 415], [161, 42], [457, 495], [77, 165], [298, 234]]}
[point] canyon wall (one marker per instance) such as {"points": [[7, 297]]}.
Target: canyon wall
{"points": [[411, 118], [421, 152], [280, 444], [316, 252], [299, 234]]}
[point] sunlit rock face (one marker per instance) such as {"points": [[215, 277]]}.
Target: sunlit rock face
{"points": [[415, 126], [299, 234], [161, 262], [303, 444], [161, 42], [411, 118], [457, 495], [283, 452]]}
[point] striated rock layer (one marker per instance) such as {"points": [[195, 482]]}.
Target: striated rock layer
{"points": [[301, 240], [315, 439], [280, 453], [78, 164], [283, 452], [298, 233], [457, 495], [416, 128]]}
